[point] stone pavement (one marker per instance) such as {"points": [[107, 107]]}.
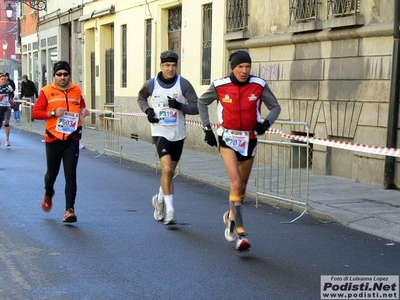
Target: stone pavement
{"points": [[359, 206]]}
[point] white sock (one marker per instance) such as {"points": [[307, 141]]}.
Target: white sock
{"points": [[169, 202], [160, 198]]}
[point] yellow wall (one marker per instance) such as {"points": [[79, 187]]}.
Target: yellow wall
{"points": [[134, 14]]}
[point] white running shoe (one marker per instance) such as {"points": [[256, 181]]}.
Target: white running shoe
{"points": [[242, 243], [170, 218], [230, 232], [8, 144], [158, 208]]}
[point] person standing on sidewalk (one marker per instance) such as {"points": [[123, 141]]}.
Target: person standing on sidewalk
{"points": [[166, 99], [5, 106], [62, 106], [239, 98], [28, 90]]}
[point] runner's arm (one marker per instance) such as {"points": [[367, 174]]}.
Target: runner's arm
{"points": [[270, 101], [144, 94], [39, 111], [191, 97], [206, 99]]}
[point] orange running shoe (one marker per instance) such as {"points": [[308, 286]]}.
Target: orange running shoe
{"points": [[47, 202]]}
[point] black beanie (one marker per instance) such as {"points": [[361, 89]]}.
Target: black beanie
{"points": [[238, 58], [61, 65]]}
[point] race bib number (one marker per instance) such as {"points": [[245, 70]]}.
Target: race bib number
{"points": [[4, 99], [68, 122], [168, 116], [238, 142]]}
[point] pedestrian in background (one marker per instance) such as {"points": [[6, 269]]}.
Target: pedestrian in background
{"points": [[28, 89], [29, 92], [239, 97], [62, 106], [166, 99], [5, 106]]}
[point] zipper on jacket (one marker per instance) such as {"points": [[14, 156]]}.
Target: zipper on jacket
{"points": [[240, 108], [66, 100]]}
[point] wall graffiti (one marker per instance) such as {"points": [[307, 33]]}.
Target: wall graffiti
{"points": [[269, 71]]}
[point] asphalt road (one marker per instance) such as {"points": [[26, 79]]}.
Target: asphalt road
{"points": [[117, 250]]}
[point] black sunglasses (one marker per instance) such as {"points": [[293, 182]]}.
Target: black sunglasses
{"points": [[62, 74]]}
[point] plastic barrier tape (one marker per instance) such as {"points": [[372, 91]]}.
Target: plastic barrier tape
{"points": [[312, 140]]}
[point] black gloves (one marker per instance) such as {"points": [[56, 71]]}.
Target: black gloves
{"points": [[209, 138], [262, 127], [151, 116], [174, 104]]}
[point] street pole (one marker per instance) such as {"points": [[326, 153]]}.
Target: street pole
{"points": [[393, 114]]}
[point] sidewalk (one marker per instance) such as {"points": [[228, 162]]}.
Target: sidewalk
{"points": [[363, 207]]}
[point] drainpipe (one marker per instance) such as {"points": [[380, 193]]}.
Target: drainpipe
{"points": [[391, 137]]}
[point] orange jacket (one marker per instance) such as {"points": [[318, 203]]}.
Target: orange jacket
{"points": [[50, 98]]}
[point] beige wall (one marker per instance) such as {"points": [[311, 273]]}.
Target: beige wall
{"points": [[336, 80]]}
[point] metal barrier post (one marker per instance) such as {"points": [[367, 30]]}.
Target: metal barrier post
{"points": [[26, 114], [287, 182], [112, 133]]}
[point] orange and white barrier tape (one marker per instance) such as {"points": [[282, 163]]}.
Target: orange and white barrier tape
{"points": [[312, 140], [346, 145], [100, 111]]}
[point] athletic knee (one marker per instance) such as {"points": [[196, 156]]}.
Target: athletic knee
{"points": [[167, 170]]}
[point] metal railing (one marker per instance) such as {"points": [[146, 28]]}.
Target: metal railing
{"points": [[26, 114], [303, 11], [236, 15], [343, 8], [283, 168], [112, 132]]}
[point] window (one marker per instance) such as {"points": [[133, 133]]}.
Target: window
{"points": [[303, 10], [341, 8], [304, 15], [148, 48], [236, 15], [175, 19], [207, 33], [124, 56], [175, 31], [343, 13]]}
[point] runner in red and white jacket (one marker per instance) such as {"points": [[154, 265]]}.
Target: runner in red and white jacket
{"points": [[239, 99]]}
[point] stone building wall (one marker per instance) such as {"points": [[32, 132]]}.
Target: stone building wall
{"points": [[337, 80]]}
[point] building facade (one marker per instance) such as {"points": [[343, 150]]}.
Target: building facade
{"points": [[50, 35], [329, 62], [9, 41]]}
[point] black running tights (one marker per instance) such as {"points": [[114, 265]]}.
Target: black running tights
{"points": [[67, 152]]}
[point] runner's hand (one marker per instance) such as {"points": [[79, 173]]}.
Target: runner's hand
{"points": [[85, 112], [261, 128], [174, 104], [151, 116], [210, 139]]}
